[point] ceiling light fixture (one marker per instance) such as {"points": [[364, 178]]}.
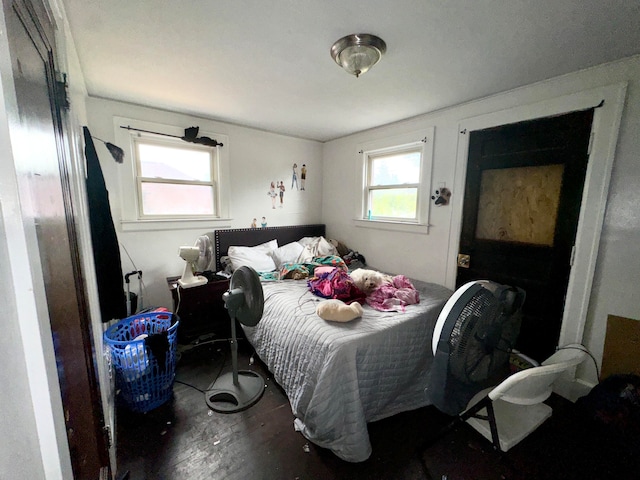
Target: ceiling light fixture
{"points": [[358, 52]]}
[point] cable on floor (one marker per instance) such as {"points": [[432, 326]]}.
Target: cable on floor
{"points": [[222, 364]]}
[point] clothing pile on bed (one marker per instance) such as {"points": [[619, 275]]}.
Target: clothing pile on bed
{"points": [[335, 283], [388, 297], [301, 270], [296, 260], [269, 258], [395, 296], [325, 263]]}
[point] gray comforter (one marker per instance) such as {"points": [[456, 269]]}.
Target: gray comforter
{"points": [[339, 376]]}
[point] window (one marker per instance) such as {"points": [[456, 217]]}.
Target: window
{"points": [[167, 183], [175, 179], [393, 184], [396, 179]]}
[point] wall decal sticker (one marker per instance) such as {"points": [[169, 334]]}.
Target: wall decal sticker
{"points": [[273, 194], [281, 188], [303, 176], [294, 177]]}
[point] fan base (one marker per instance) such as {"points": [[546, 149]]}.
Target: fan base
{"points": [[225, 397], [193, 281]]}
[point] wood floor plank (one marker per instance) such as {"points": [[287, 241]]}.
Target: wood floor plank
{"points": [[184, 439]]}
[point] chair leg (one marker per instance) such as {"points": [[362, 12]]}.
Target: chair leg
{"points": [[493, 426], [491, 418], [485, 402]]}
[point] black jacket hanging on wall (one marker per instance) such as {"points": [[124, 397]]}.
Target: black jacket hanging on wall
{"points": [[106, 252]]}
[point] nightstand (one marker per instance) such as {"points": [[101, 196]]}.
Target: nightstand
{"points": [[201, 310]]}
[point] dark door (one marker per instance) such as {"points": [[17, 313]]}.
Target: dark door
{"points": [[46, 198], [522, 202]]}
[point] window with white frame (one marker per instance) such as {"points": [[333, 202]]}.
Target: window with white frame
{"points": [[396, 179], [167, 183], [175, 179], [393, 183]]}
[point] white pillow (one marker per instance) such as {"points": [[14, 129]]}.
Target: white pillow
{"points": [[257, 257], [288, 253], [325, 247], [304, 241], [266, 247], [315, 247]]}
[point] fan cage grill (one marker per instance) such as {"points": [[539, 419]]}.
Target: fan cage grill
{"points": [[474, 353]]}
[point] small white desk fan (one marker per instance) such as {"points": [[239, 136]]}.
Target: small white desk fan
{"points": [[190, 255]]}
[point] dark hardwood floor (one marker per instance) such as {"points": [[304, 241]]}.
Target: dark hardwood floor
{"points": [[184, 439]]}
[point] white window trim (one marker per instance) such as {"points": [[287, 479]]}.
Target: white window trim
{"points": [[423, 138], [129, 200]]}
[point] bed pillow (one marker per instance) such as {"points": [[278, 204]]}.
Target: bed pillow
{"points": [[304, 241], [288, 253], [267, 247], [257, 257], [315, 247]]}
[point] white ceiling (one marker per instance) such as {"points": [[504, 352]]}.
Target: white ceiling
{"points": [[266, 64]]}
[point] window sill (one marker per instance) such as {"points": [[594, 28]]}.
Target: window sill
{"points": [[420, 228], [154, 225]]}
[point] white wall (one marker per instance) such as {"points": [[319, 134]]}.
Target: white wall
{"points": [[616, 283], [428, 257], [255, 158]]}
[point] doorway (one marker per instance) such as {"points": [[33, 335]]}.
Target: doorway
{"points": [[523, 192], [45, 193]]}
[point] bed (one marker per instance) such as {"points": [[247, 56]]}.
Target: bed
{"points": [[339, 376]]}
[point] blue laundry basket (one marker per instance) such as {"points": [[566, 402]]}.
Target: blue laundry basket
{"points": [[143, 381]]}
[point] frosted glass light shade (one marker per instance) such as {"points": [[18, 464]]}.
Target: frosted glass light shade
{"points": [[357, 53]]}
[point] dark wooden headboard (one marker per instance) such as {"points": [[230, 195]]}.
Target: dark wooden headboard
{"points": [[251, 237]]}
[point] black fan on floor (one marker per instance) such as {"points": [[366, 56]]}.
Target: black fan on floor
{"points": [[472, 342], [238, 390]]}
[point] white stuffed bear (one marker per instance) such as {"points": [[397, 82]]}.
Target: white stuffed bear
{"points": [[338, 311]]}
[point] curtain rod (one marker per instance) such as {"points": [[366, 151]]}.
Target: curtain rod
{"points": [[190, 135]]}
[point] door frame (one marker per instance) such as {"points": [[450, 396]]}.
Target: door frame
{"points": [[604, 136], [39, 353], [72, 121]]}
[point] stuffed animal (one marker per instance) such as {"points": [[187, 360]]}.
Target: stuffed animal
{"points": [[340, 247], [338, 311]]}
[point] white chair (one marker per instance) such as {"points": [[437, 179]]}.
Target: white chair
{"points": [[507, 413]]}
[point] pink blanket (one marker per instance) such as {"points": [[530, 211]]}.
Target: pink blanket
{"points": [[335, 283], [392, 297]]}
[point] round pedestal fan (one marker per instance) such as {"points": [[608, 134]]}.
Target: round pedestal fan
{"points": [[472, 342], [238, 390]]}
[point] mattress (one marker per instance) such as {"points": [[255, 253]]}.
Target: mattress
{"points": [[340, 376]]}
